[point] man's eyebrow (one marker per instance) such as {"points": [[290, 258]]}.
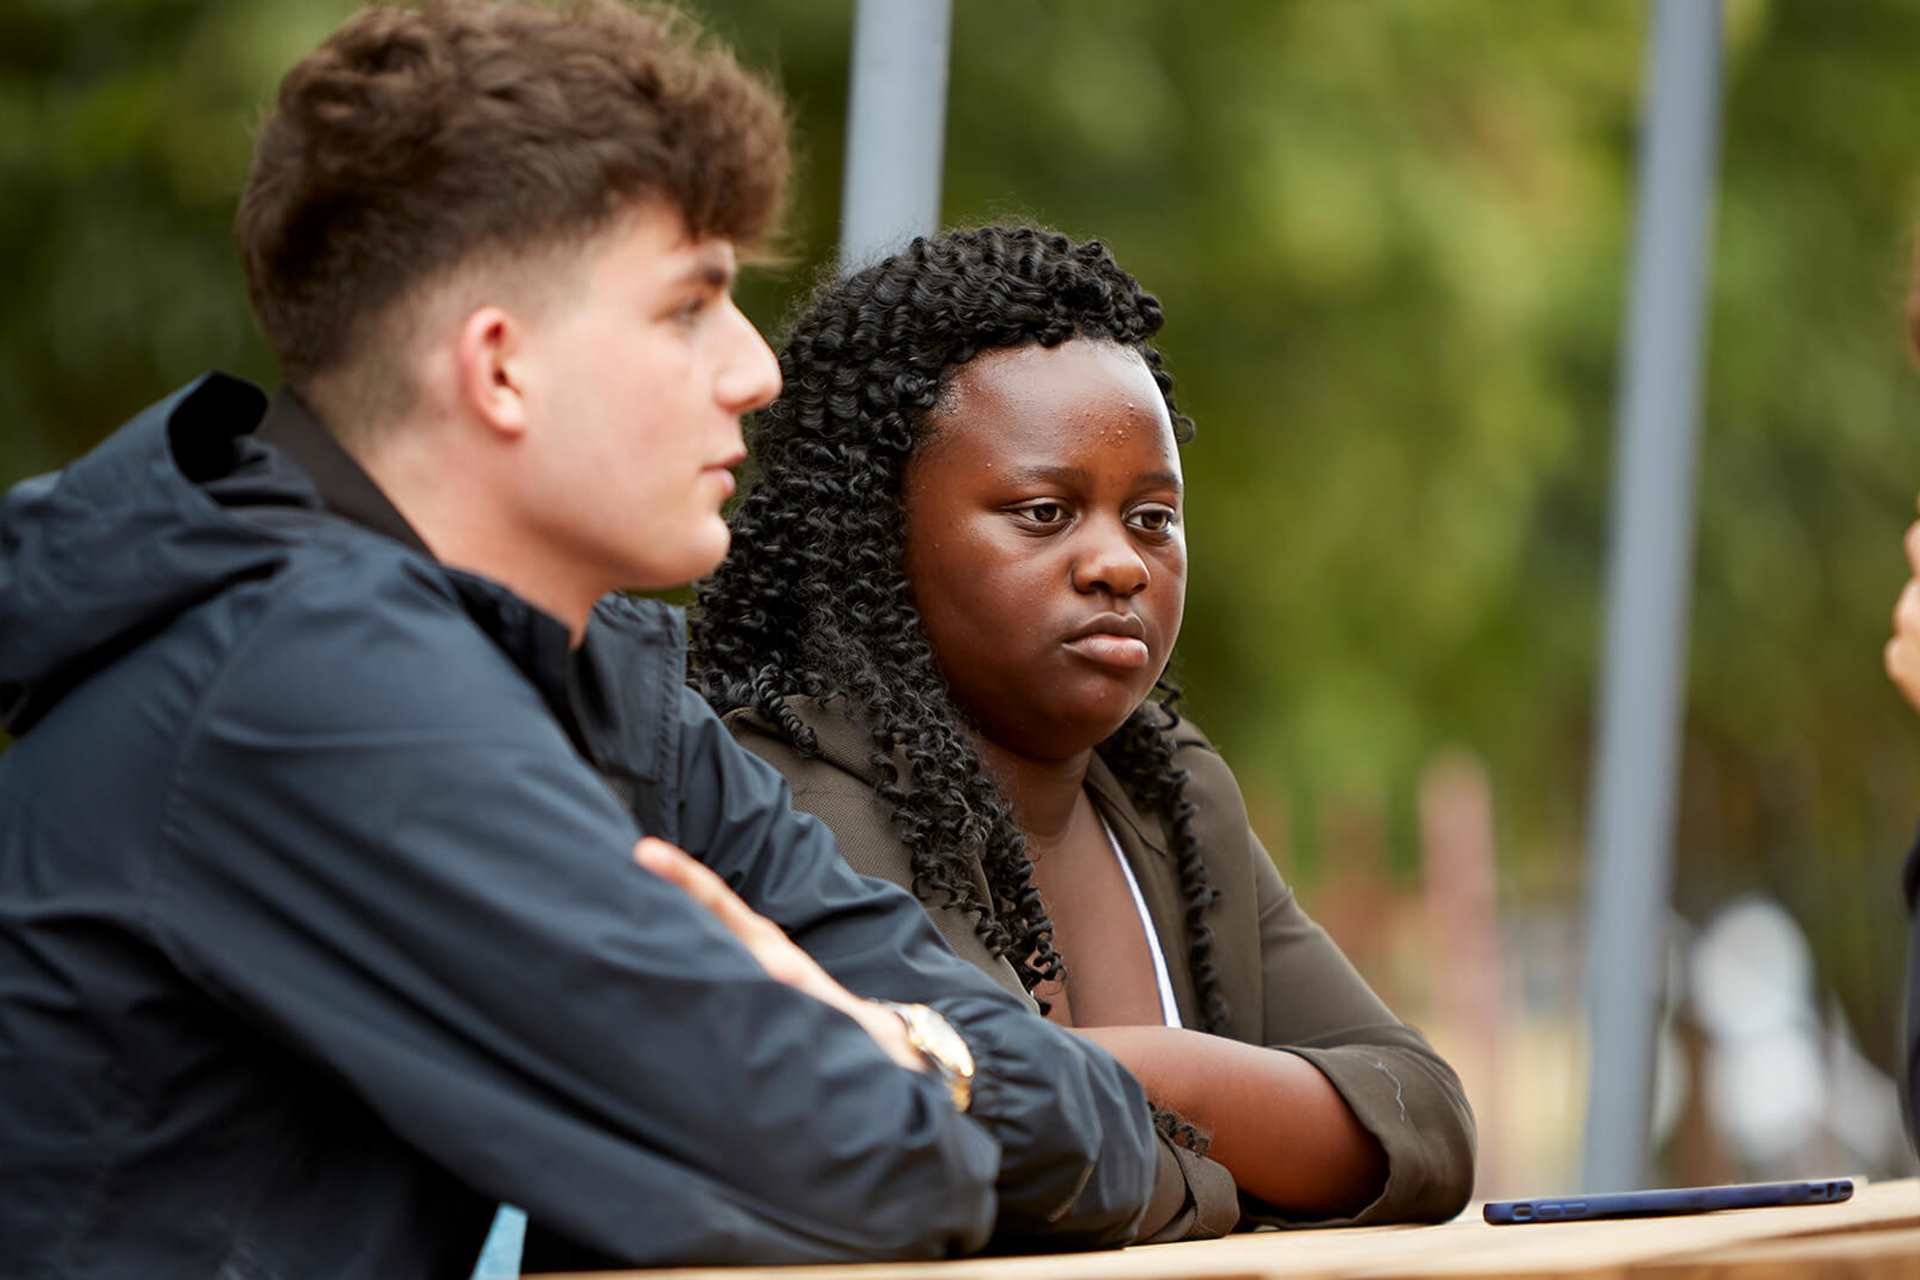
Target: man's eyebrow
{"points": [[709, 272]]}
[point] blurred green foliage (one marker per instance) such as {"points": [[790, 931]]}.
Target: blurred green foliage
{"points": [[1391, 239]]}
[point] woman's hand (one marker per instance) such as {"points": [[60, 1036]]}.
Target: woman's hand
{"points": [[777, 954], [1902, 653]]}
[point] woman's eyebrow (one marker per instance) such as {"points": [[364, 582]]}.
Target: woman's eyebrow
{"points": [[1161, 480], [1048, 475], [1080, 476]]}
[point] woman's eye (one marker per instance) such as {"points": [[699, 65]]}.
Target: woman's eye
{"points": [[1155, 519], [1044, 513]]}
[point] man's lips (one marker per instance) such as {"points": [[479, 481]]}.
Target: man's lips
{"points": [[724, 470], [1117, 640]]}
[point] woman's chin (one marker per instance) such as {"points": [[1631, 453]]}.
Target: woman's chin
{"points": [[1094, 721], [1060, 718]]}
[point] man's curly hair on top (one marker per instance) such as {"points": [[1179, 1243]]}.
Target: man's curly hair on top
{"points": [[813, 600]]}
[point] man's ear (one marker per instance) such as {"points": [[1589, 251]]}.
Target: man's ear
{"points": [[490, 358]]}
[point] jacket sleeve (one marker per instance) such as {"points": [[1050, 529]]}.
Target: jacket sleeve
{"points": [[1194, 1198], [1075, 1133], [1407, 1097], [384, 854]]}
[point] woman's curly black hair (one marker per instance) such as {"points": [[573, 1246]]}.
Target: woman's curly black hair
{"points": [[813, 600]]}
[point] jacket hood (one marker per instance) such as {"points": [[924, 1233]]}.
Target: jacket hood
{"points": [[100, 555]]}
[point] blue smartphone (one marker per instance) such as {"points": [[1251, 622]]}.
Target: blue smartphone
{"points": [[1672, 1200]]}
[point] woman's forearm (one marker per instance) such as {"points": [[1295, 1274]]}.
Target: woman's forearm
{"points": [[1278, 1125]]}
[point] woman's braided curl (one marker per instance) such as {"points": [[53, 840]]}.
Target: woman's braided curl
{"points": [[813, 599]]}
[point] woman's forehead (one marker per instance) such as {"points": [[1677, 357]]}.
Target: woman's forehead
{"points": [[1043, 400], [1001, 370]]}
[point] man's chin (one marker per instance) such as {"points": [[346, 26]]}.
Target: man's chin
{"points": [[715, 547], [694, 559]]}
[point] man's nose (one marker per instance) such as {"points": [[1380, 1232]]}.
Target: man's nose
{"points": [[750, 377]]}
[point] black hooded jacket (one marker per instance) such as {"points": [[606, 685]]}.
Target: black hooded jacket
{"points": [[320, 934]]}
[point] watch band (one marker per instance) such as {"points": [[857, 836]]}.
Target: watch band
{"points": [[943, 1048]]}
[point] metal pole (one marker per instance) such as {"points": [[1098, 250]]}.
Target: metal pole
{"points": [[896, 126], [1631, 855]]}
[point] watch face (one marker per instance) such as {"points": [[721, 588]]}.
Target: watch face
{"points": [[946, 1052], [945, 1043]]}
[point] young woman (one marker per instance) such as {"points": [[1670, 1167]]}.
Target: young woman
{"points": [[949, 603]]}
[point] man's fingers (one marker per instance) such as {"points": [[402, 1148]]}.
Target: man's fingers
{"points": [[782, 959], [668, 862], [758, 934], [1912, 541], [697, 880]]}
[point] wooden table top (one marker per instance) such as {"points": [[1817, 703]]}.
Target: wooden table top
{"points": [[1873, 1236]]}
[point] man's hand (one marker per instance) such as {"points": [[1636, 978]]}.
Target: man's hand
{"points": [[1902, 653], [777, 953]]}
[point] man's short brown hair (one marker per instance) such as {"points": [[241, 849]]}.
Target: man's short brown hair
{"points": [[415, 139]]}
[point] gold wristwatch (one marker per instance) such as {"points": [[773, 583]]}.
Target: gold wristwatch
{"points": [[941, 1046]]}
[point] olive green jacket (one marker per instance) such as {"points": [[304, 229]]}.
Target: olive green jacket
{"points": [[1286, 984]]}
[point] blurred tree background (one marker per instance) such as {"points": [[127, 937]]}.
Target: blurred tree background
{"points": [[1391, 239]]}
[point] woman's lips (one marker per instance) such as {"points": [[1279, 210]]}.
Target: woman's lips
{"points": [[1121, 652]]}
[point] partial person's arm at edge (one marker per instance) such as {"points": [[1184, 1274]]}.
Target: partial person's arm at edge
{"points": [[1077, 1143], [1910, 1094], [385, 854], [1902, 658]]}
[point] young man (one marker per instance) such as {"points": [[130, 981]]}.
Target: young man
{"points": [[320, 924]]}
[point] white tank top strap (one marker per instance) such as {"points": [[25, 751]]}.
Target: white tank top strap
{"points": [[1169, 1008]]}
